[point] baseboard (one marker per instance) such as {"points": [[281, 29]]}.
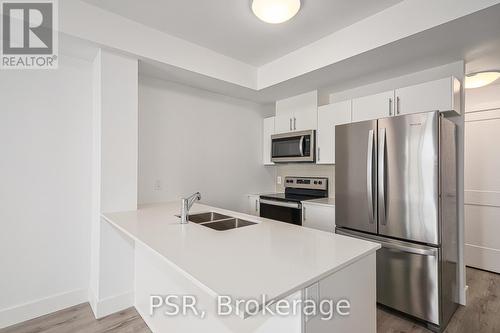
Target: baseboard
{"points": [[20, 313], [110, 305]]}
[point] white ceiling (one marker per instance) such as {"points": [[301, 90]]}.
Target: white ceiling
{"points": [[473, 38], [230, 28]]}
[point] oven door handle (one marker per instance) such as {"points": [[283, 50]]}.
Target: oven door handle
{"points": [[287, 204]]}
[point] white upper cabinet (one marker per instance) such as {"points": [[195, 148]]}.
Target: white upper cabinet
{"points": [[328, 117], [439, 95], [268, 130], [373, 106], [283, 122], [305, 120], [297, 113]]}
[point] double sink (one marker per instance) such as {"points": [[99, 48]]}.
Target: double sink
{"points": [[219, 222]]}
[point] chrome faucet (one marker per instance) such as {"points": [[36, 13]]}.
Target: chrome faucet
{"points": [[186, 205]]}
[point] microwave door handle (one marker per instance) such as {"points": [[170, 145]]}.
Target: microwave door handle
{"points": [[301, 146]]}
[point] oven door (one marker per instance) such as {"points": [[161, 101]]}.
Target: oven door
{"points": [[293, 147], [284, 211]]}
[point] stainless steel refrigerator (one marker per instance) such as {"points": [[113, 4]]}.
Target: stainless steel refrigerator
{"points": [[395, 184]]}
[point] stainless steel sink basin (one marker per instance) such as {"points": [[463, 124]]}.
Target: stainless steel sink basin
{"points": [[232, 223], [207, 217]]}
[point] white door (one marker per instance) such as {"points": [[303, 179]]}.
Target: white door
{"points": [[321, 217], [373, 106], [328, 117], [435, 95], [253, 205], [267, 131], [482, 189]]}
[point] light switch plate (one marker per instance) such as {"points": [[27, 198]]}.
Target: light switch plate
{"points": [[278, 180]]}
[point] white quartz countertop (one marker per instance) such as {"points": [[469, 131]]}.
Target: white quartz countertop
{"points": [[321, 201], [270, 258]]}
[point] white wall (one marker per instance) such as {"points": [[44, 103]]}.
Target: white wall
{"points": [[114, 167], [192, 140], [45, 191], [482, 180]]}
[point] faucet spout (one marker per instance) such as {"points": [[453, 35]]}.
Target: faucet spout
{"points": [[186, 205]]}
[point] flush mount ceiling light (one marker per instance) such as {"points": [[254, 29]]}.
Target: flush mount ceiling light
{"points": [[275, 11], [481, 79]]}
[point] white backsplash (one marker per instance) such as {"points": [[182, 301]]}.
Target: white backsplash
{"points": [[306, 170]]}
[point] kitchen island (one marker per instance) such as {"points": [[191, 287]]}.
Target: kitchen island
{"points": [[265, 262]]}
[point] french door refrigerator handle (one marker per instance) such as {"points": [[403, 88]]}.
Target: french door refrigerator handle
{"points": [[381, 177], [369, 176]]}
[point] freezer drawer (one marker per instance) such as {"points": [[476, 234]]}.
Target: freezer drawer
{"points": [[407, 277], [409, 281]]}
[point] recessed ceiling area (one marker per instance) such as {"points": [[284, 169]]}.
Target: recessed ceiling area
{"points": [[230, 28]]}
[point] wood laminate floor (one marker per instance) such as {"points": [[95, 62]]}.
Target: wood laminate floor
{"points": [[482, 315]]}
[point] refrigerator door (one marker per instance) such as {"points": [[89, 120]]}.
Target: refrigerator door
{"points": [[408, 177], [407, 276], [355, 183]]}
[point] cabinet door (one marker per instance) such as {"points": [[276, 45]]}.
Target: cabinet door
{"points": [[297, 113], [283, 122], [253, 205], [305, 120], [328, 117], [319, 217], [429, 96], [373, 106], [356, 284], [268, 130]]}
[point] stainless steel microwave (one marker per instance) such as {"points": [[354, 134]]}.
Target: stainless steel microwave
{"points": [[293, 147]]}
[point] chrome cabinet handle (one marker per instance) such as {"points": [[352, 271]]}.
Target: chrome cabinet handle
{"points": [[290, 124], [390, 106], [397, 105], [369, 177], [256, 205], [294, 123], [381, 177], [319, 153], [304, 213]]}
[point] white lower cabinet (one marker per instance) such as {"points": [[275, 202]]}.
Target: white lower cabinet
{"points": [[353, 294], [253, 204], [316, 216], [330, 116]]}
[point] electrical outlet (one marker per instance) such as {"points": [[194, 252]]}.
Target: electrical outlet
{"points": [[157, 186], [278, 180]]}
